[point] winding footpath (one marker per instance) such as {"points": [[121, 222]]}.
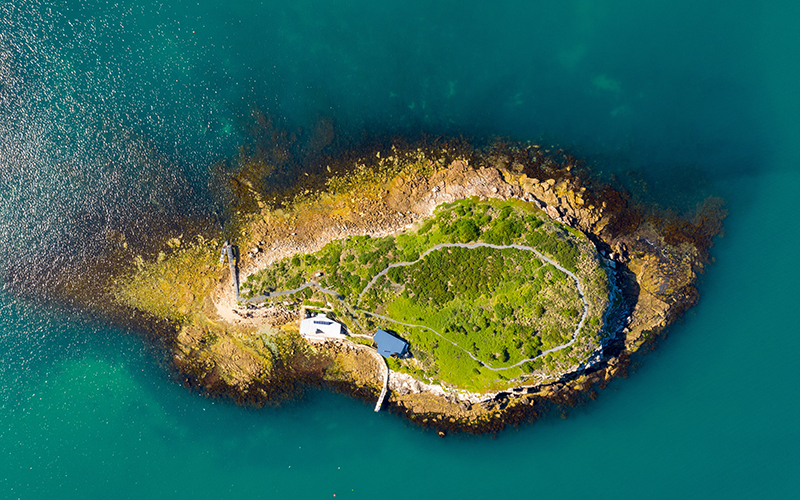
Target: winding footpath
{"points": [[496, 247], [422, 256]]}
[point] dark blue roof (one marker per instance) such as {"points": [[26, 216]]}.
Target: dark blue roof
{"points": [[388, 344]]}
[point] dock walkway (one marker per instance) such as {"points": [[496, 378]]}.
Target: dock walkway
{"points": [[385, 381], [373, 352], [227, 250]]}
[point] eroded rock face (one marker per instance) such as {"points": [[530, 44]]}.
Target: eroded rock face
{"points": [[240, 366]]}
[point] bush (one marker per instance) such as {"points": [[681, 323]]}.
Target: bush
{"points": [[294, 282], [467, 230], [533, 222], [504, 231], [411, 256], [502, 311], [396, 274]]}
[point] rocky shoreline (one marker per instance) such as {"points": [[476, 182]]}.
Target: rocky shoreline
{"points": [[655, 260]]}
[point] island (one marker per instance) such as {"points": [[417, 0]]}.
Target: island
{"points": [[463, 288]]}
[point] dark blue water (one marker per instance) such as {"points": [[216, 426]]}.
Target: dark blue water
{"points": [[108, 109]]}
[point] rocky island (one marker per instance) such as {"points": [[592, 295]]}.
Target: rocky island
{"points": [[506, 278]]}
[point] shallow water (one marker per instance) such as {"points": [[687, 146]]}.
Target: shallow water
{"points": [[108, 109]]}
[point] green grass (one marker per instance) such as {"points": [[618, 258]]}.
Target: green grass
{"points": [[502, 306]]}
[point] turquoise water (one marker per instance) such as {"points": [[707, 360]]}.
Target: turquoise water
{"points": [[107, 109]]}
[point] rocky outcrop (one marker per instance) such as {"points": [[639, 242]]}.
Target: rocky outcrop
{"points": [[655, 268]]}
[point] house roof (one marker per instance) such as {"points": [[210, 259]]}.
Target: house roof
{"points": [[320, 323], [388, 344]]}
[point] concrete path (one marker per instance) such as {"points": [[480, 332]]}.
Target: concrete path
{"points": [[496, 247], [378, 357], [426, 252]]}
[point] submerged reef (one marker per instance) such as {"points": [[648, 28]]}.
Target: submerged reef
{"points": [[520, 282]]}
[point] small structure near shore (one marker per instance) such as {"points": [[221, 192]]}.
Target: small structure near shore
{"points": [[227, 250], [389, 345], [321, 327]]}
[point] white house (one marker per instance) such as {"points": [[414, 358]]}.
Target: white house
{"points": [[320, 326]]}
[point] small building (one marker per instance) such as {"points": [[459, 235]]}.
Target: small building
{"points": [[320, 326], [389, 345]]}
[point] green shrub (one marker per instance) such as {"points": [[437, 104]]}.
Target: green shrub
{"points": [[411, 256], [504, 231], [467, 230], [502, 311]]}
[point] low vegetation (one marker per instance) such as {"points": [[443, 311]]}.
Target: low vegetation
{"points": [[477, 313]]}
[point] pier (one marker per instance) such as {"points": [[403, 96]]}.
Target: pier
{"points": [[385, 382], [227, 250], [385, 367]]}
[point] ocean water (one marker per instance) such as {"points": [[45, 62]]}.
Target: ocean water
{"points": [[116, 108]]}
